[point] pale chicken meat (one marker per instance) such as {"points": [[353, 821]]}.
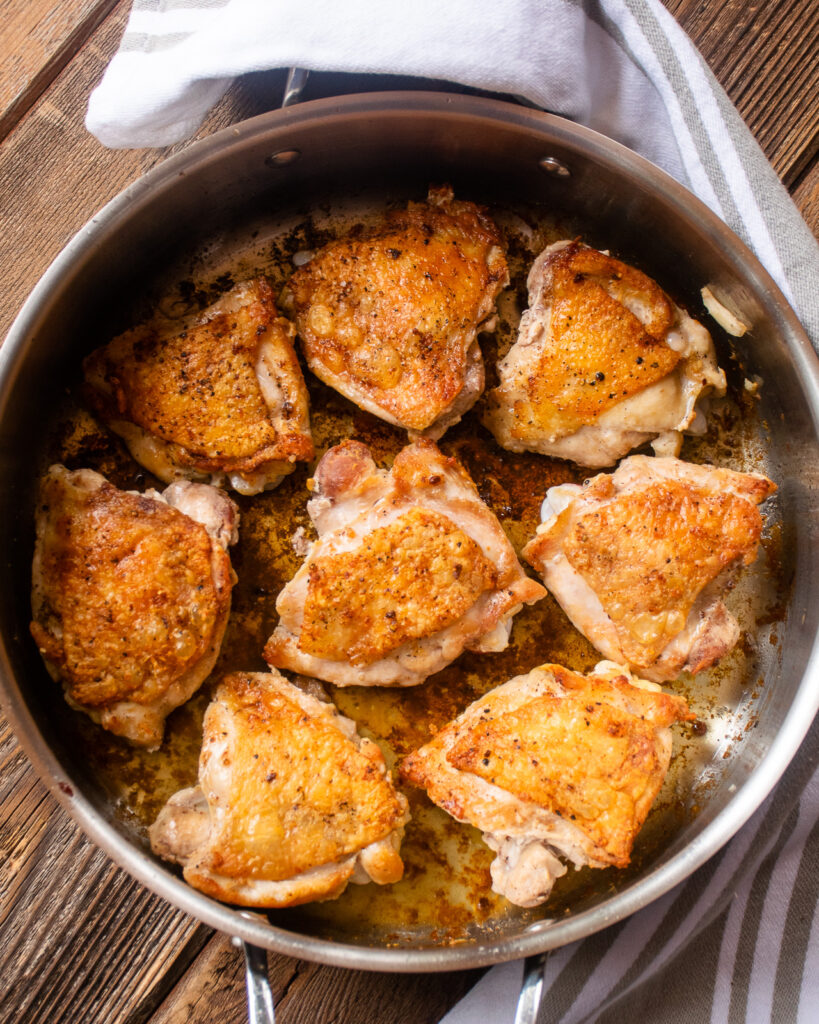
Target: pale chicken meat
{"points": [[639, 559], [553, 764], [410, 569], [219, 398], [291, 803], [130, 595], [389, 317], [604, 362]]}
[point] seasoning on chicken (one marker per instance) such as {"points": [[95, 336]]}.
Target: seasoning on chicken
{"points": [[410, 568], [219, 399], [130, 595], [389, 317], [291, 804], [552, 763], [604, 362], [639, 559]]}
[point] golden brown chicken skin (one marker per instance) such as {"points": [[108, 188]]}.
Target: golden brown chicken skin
{"points": [[291, 805], [410, 568], [604, 362], [418, 575], [389, 317], [130, 595], [553, 762], [221, 399], [639, 559]]}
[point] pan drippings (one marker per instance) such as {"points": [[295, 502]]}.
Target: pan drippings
{"points": [[445, 895]]}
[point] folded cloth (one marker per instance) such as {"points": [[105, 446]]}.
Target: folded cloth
{"points": [[731, 943]]}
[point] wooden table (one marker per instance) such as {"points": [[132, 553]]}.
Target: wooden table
{"points": [[80, 941]]}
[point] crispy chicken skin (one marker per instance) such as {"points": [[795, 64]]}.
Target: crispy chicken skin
{"points": [[638, 559], [410, 568], [604, 362], [130, 595], [389, 317], [552, 762], [222, 399], [291, 804]]}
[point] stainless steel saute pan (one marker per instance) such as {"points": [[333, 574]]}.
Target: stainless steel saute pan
{"points": [[238, 188]]}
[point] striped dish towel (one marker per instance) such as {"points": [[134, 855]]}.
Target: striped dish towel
{"points": [[733, 943]]}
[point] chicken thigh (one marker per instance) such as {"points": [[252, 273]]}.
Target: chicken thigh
{"points": [[551, 763], [389, 317], [291, 804], [604, 362], [409, 569], [130, 595], [221, 400], [639, 559]]}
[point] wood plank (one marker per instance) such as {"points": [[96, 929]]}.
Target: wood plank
{"points": [[766, 56], [215, 991], [49, 152], [58, 892], [39, 38]]}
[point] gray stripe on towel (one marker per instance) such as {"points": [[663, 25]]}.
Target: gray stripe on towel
{"points": [[160, 6], [564, 990], [798, 924], [143, 42], [749, 933], [670, 987]]}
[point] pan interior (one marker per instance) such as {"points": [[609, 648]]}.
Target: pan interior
{"points": [[446, 893]]}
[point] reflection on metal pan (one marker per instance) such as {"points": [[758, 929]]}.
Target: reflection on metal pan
{"points": [[229, 205]]}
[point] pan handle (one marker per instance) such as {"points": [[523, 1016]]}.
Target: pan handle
{"points": [[531, 991], [259, 993], [296, 81]]}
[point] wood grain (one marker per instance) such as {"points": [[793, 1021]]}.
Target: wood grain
{"points": [[738, 38], [39, 39], [302, 991], [49, 152], [73, 925], [79, 940]]}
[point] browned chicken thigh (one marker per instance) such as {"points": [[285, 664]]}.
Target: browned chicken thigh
{"points": [[639, 559], [219, 399], [291, 804], [604, 362], [551, 763], [410, 568], [130, 595], [389, 317]]}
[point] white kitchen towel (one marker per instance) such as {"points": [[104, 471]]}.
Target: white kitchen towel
{"points": [[739, 941]]}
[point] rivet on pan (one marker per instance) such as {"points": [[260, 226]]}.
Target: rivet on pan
{"points": [[283, 158], [552, 165]]}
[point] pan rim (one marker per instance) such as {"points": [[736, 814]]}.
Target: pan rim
{"points": [[465, 955]]}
